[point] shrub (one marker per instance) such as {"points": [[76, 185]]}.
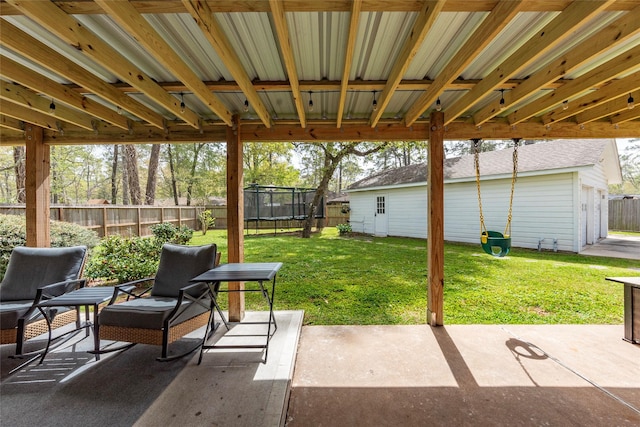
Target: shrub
{"points": [[124, 259], [169, 233], [206, 220], [344, 228], [13, 232]]}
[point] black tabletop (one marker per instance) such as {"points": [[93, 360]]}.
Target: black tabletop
{"points": [[240, 272], [82, 296]]}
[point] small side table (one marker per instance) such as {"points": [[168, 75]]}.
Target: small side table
{"points": [[631, 307], [243, 272], [83, 297]]}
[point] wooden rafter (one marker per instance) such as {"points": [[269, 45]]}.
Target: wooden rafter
{"points": [[581, 107], [282, 31], [13, 71], [621, 64], [14, 38], [11, 123], [134, 23], [211, 29], [26, 115], [542, 42], [82, 7], [490, 27], [618, 32], [624, 117], [421, 27], [71, 31], [22, 96], [348, 58]]}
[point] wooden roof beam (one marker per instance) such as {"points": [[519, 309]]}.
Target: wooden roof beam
{"points": [[134, 23], [348, 58], [13, 71], [11, 123], [421, 27], [17, 40], [282, 30], [604, 95], [27, 115], [621, 64], [499, 17], [218, 6], [72, 32], [19, 95], [535, 48], [211, 29], [625, 116], [619, 31]]}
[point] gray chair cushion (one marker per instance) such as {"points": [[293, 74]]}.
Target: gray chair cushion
{"points": [[146, 313], [32, 268], [178, 265], [11, 311]]}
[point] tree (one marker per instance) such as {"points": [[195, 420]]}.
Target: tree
{"points": [[333, 153], [131, 166], [152, 175], [630, 166], [114, 175], [21, 174]]}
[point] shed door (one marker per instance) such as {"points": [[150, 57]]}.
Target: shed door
{"points": [[381, 227]]}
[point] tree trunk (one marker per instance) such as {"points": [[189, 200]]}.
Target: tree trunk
{"points": [[194, 163], [131, 165], [114, 176], [19, 162], [330, 166], [174, 187], [125, 179], [152, 176]]}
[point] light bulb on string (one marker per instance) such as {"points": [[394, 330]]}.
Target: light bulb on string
{"points": [[501, 99], [630, 102], [246, 105], [375, 103], [310, 101], [182, 106], [52, 107], [565, 105], [438, 104]]}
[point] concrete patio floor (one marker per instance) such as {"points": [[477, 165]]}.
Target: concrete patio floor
{"points": [[458, 375]]}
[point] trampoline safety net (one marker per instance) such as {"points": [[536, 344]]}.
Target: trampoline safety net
{"points": [[269, 203]]}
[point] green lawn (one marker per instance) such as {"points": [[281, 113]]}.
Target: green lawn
{"points": [[367, 280]]}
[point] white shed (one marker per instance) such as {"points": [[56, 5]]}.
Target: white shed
{"points": [[560, 199]]}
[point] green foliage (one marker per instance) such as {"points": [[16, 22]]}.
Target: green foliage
{"points": [[124, 259], [168, 233], [206, 220], [130, 258], [13, 232], [344, 228]]}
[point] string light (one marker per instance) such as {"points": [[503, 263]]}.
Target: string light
{"points": [[375, 103], [438, 104], [630, 103], [501, 99], [182, 106], [119, 109], [565, 105], [52, 107], [310, 101], [246, 105]]}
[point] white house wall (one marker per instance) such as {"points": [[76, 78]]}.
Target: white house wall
{"points": [[544, 210], [594, 179]]}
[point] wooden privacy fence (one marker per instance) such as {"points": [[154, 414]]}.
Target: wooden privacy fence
{"points": [[624, 214], [108, 220]]}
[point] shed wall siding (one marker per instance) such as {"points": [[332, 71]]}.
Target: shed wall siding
{"points": [[544, 207]]}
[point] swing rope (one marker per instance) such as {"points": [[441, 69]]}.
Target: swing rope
{"points": [[514, 175]]}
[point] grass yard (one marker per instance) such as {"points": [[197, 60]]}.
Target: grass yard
{"points": [[367, 280]]}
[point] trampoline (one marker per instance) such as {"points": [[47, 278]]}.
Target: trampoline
{"points": [[273, 204]]}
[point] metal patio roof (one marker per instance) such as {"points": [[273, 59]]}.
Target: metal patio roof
{"points": [[287, 70]]}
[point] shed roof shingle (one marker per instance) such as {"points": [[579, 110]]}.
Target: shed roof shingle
{"points": [[558, 154]]}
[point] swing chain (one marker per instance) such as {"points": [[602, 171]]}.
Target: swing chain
{"points": [[514, 177], [476, 162]]}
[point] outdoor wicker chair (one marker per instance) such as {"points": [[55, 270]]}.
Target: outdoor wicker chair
{"points": [[174, 306], [34, 275]]}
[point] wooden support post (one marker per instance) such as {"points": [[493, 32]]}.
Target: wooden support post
{"points": [[235, 215], [37, 188], [435, 242]]}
